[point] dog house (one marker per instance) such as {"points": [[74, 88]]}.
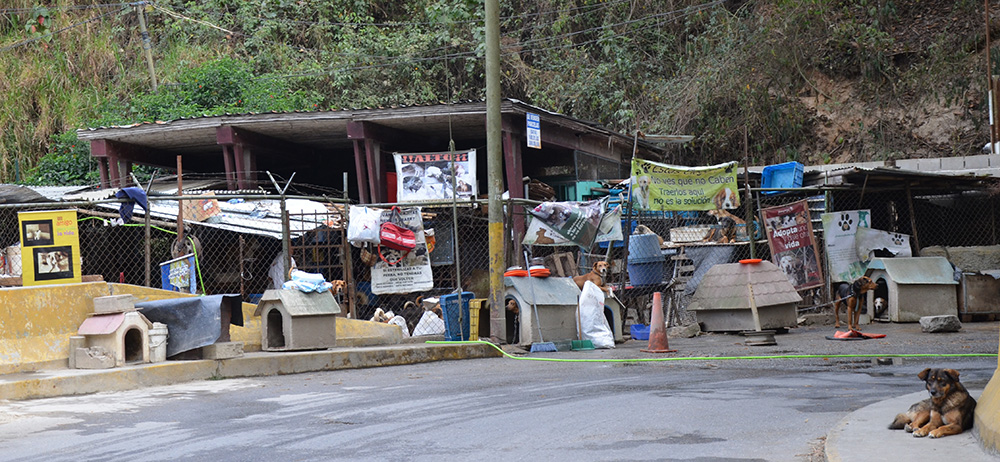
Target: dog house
{"points": [[729, 293], [115, 335], [556, 299], [915, 287], [294, 320]]}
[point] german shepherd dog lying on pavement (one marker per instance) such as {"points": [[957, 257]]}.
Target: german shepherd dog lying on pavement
{"points": [[949, 410]]}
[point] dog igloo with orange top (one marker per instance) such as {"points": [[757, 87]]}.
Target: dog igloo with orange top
{"points": [[737, 296]]}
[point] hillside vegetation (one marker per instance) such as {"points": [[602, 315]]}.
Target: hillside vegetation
{"points": [[816, 81]]}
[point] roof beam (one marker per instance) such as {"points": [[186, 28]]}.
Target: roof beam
{"points": [[104, 148], [565, 137], [229, 135]]}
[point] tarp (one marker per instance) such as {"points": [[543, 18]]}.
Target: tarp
{"points": [[193, 322]]}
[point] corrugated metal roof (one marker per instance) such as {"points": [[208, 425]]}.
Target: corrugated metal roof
{"points": [[916, 270], [258, 217], [298, 303], [724, 287]]}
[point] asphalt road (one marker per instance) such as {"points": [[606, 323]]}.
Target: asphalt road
{"points": [[485, 409]]}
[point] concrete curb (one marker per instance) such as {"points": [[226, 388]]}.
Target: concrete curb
{"points": [[66, 382], [850, 440]]}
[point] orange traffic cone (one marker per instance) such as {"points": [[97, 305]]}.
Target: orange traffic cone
{"points": [[658, 328]]}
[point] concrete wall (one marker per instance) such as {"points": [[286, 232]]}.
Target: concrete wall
{"points": [[36, 323], [988, 414]]}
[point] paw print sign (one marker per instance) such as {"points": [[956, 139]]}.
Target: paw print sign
{"points": [[845, 222]]}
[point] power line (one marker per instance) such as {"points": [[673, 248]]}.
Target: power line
{"points": [[68, 7], [601, 6], [670, 16], [71, 26]]}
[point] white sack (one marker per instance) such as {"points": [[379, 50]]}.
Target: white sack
{"points": [[593, 325]]}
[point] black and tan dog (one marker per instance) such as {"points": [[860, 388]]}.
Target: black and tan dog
{"points": [[854, 295], [949, 410]]}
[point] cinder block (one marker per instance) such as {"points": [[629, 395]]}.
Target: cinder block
{"points": [[76, 342], [954, 163], [979, 161], [223, 350], [114, 304], [94, 358]]}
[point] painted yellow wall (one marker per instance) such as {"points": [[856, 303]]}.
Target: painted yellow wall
{"points": [[988, 414], [36, 323]]}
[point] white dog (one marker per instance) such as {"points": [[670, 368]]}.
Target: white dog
{"points": [[642, 191]]}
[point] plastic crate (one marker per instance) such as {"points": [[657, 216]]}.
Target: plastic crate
{"points": [[456, 317], [786, 175], [639, 331]]}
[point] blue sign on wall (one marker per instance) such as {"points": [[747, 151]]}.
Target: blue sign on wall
{"points": [[179, 275], [534, 131]]}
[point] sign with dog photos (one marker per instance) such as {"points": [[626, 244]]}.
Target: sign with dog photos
{"points": [[793, 245], [839, 234], [610, 230], [50, 247], [428, 177], [413, 272], [577, 222], [657, 186]]}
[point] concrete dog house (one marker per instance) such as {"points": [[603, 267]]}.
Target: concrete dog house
{"points": [[294, 320], [917, 287], [115, 335]]}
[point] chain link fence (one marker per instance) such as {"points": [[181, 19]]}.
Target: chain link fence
{"points": [[934, 218], [241, 249]]}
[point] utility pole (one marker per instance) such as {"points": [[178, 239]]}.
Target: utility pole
{"points": [[494, 169], [145, 42]]}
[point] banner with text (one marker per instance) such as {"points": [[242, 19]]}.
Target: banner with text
{"points": [[657, 186], [413, 272], [428, 176], [793, 245]]}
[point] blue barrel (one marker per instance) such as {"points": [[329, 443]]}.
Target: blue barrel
{"points": [[645, 260]]}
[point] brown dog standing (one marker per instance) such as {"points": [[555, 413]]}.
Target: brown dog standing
{"points": [[853, 295], [949, 410], [596, 275]]}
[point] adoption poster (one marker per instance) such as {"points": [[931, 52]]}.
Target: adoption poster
{"points": [[609, 230], [429, 176], [577, 222], [793, 246], [50, 247], [657, 186], [839, 231], [413, 271]]}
